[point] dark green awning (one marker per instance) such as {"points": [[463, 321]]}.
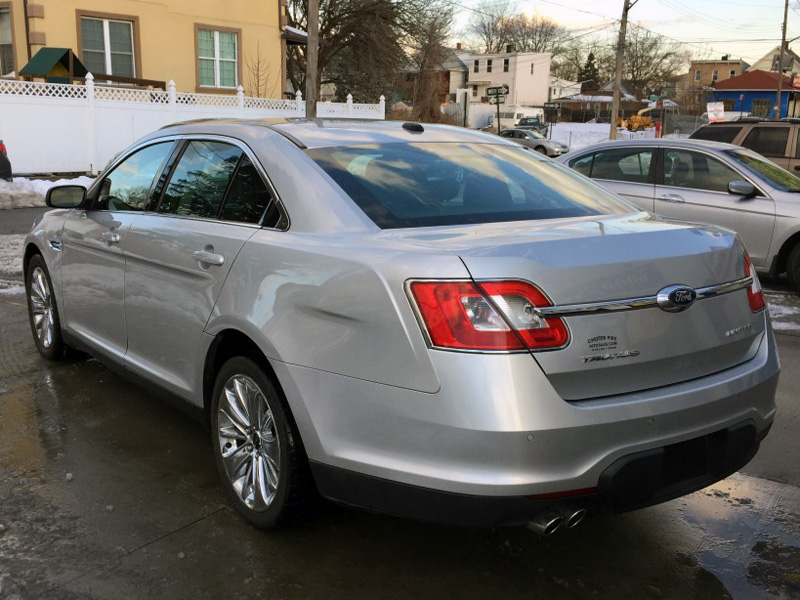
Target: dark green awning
{"points": [[57, 65]]}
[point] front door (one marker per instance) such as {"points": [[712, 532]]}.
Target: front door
{"points": [[93, 241], [694, 187]]}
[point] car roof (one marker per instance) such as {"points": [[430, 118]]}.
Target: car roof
{"points": [[672, 142], [320, 133]]}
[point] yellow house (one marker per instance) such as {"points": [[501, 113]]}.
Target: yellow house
{"points": [[209, 46]]}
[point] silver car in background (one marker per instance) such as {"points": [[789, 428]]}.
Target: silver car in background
{"points": [[535, 141], [706, 182], [422, 320]]}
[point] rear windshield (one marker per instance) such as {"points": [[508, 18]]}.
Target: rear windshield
{"points": [[715, 133], [776, 176], [439, 184]]}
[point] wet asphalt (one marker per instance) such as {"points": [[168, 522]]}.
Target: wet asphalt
{"points": [[108, 493]]}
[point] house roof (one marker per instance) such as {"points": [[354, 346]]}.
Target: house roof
{"points": [[789, 58], [754, 80]]}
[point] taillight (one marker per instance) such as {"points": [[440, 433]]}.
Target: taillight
{"points": [[3, 149], [487, 316], [755, 295]]}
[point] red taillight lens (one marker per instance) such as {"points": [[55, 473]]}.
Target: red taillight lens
{"points": [[755, 295], [464, 316], [3, 148]]}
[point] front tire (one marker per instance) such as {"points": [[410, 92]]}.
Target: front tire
{"points": [[258, 450], [43, 310], [542, 150]]}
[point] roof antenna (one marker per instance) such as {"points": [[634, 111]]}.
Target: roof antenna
{"points": [[413, 127]]}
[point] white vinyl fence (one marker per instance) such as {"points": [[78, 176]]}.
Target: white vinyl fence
{"points": [[61, 128]]}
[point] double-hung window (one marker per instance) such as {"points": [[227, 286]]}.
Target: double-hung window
{"points": [[218, 58], [6, 42], [107, 46]]}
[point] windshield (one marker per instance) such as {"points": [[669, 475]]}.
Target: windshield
{"points": [[776, 176], [433, 184]]}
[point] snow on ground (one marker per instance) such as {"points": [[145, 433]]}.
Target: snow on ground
{"points": [[580, 135], [11, 257], [24, 193], [784, 309]]}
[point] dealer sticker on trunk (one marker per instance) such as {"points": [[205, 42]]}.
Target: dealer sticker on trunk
{"points": [[603, 345]]}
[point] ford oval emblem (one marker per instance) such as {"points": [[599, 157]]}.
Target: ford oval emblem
{"points": [[675, 298]]}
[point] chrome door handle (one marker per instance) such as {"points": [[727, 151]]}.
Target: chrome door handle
{"points": [[672, 198], [110, 237], [208, 258]]}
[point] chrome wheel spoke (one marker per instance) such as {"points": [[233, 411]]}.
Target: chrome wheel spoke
{"points": [[249, 443], [42, 309]]}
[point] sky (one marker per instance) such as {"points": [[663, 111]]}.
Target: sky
{"points": [[709, 28]]}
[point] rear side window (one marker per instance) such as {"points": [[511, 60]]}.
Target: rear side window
{"points": [[430, 184], [127, 187], [199, 181], [714, 133], [248, 198], [767, 141], [623, 164]]}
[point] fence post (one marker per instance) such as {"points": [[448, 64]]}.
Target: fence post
{"points": [[298, 98], [91, 138], [349, 105], [382, 106], [173, 100], [240, 101]]}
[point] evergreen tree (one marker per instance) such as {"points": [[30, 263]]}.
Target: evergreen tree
{"points": [[589, 75]]}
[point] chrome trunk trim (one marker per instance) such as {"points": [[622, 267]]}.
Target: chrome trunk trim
{"points": [[571, 310]]}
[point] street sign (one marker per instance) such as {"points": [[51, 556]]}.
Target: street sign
{"points": [[553, 105], [497, 99], [500, 90]]}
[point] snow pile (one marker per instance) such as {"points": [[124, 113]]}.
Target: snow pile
{"points": [[11, 257], [580, 135], [784, 310], [24, 193]]}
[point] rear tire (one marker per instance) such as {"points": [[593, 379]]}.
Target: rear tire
{"points": [[257, 447], [793, 267], [43, 310]]}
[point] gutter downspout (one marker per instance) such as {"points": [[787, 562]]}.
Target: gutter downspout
{"points": [[27, 27]]}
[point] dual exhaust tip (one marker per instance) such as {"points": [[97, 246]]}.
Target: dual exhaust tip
{"points": [[549, 523]]}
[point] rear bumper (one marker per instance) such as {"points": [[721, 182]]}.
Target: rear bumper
{"points": [[631, 482], [497, 433]]}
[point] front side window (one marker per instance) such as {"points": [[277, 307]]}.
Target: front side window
{"points": [[198, 183], [127, 186], [107, 46], [622, 164], [698, 171], [440, 184], [218, 58], [767, 141], [767, 170], [6, 42]]}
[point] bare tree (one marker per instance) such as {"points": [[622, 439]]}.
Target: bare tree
{"points": [[488, 26], [429, 52], [258, 74], [651, 59], [535, 34]]}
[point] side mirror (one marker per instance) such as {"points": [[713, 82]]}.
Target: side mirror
{"points": [[65, 196], [742, 188]]}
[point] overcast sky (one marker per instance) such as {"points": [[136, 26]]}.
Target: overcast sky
{"points": [[709, 28]]}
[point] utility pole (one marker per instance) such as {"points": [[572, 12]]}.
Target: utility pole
{"points": [[623, 29], [312, 54], [780, 61]]}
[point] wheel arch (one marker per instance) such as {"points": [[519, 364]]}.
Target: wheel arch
{"points": [[30, 250], [783, 253]]}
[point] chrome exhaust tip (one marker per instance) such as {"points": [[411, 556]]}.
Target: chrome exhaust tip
{"points": [[546, 524], [574, 519]]}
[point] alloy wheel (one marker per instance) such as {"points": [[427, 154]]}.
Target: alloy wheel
{"points": [[42, 308]]}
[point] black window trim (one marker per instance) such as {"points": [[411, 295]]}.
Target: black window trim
{"points": [[181, 141], [651, 173]]}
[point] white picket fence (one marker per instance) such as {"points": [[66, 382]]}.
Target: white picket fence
{"points": [[61, 128]]}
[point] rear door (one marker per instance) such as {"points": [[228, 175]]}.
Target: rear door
{"points": [[627, 171], [93, 242], [693, 186], [177, 257]]}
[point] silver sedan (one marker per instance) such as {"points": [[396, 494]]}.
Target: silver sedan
{"points": [[418, 319], [706, 182], [535, 141]]}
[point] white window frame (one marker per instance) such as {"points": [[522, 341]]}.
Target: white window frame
{"points": [[732, 73], [107, 42], [217, 59], [714, 75]]}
